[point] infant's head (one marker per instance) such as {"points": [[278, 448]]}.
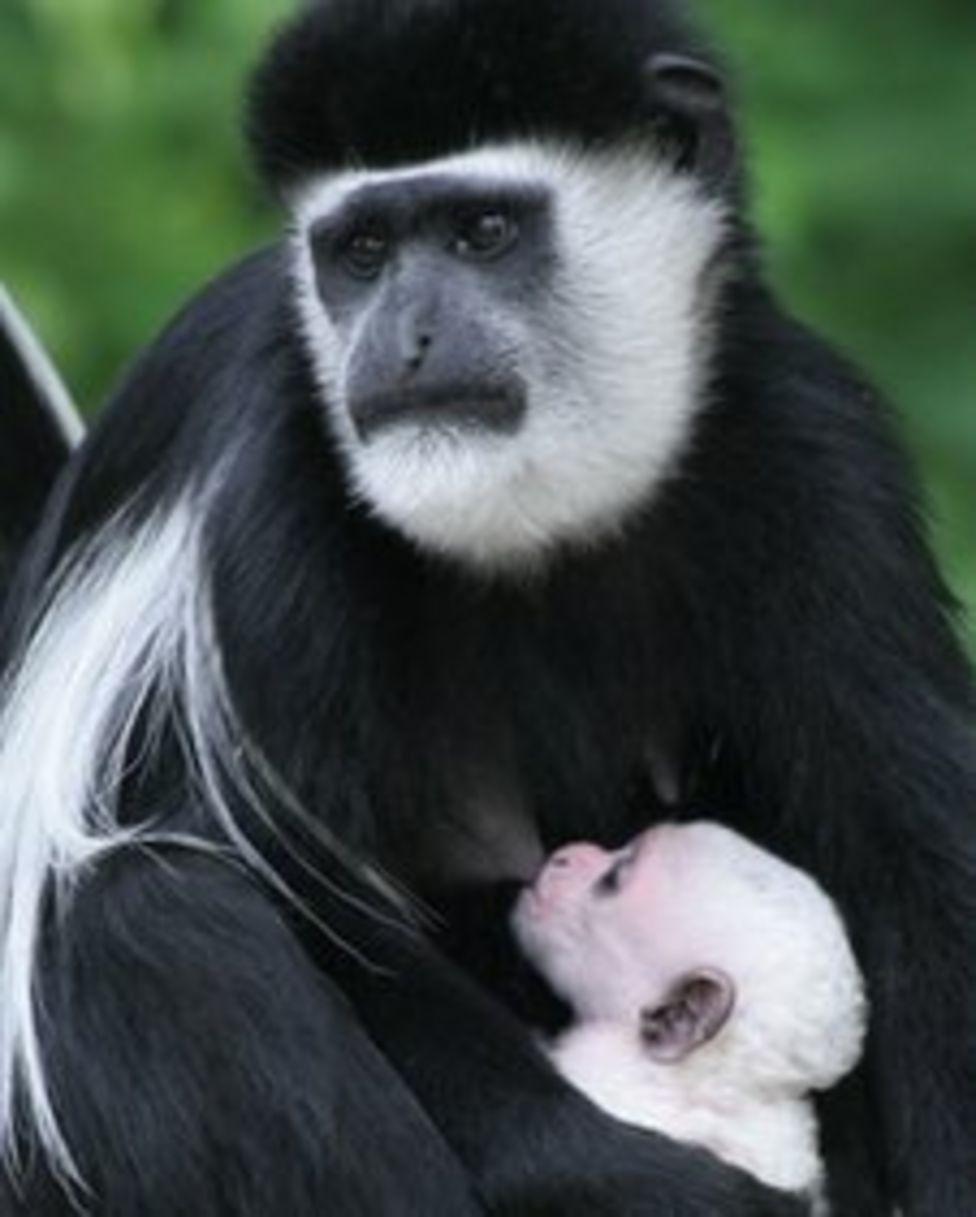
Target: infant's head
{"points": [[694, 938]]}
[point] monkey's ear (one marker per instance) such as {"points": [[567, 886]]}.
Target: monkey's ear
{"points": [[690, 104], [694, 1011]]}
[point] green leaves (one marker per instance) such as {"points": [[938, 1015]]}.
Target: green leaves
{"points": [[123, 182]]}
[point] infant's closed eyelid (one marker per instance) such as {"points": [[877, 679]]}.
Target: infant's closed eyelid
{"points": [[608, 884]]}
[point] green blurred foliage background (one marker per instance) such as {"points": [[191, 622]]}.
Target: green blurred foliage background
{"points": [[123, 185]]}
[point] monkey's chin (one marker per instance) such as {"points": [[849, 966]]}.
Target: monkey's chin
{"points": [[460, 492], [499, 504]]}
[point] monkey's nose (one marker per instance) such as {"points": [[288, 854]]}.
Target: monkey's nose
{"points": [[415, 350]]}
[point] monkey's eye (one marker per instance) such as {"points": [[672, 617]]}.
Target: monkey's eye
{"points": [[484, 234], [364, 252]]}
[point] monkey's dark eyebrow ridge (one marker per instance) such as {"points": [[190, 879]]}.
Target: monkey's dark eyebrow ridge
{"points": [[410, 203]]}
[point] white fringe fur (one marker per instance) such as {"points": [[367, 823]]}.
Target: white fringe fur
{"points": [[121, 625], [125, 638]]}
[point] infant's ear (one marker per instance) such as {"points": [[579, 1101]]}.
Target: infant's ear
{"points": [[694, 1011]]}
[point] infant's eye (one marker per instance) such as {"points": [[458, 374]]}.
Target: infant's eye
{"points": [[484, 234], [609, 882]]}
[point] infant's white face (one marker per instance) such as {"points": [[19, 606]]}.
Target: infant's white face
{"points": [[611, 929], [613, 932]]}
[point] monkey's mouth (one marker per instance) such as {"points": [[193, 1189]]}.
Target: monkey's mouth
{"points": [[493, 408]]}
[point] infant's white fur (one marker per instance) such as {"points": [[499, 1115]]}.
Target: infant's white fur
{"points": [[775, 1011]]}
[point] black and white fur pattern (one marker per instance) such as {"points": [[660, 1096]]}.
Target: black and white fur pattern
{"points": [[311, 686], [135, 632], [496, 505], [115, 627]]}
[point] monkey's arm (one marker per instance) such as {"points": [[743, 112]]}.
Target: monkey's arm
{"points": [[201, 1066], [535, 1147], [847, 717], [880, 802]]}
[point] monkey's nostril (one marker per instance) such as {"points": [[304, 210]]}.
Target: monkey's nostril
{"points": [[421, 346]]}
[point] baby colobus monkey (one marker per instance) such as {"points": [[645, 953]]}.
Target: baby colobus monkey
{"points": [[714, 989]]}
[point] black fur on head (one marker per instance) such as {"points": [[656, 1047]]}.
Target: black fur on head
{"points": [[372, 83]]}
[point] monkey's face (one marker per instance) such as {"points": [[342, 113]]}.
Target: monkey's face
{"points": [[512, 344]]}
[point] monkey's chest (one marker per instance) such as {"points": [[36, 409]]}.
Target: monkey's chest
{"points": [[531, 731], [517, 780]]}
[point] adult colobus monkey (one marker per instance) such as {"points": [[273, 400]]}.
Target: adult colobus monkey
{"points": [[496, 507]]}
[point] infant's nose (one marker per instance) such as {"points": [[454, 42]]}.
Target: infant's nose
{"points": [[569, 870]]}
